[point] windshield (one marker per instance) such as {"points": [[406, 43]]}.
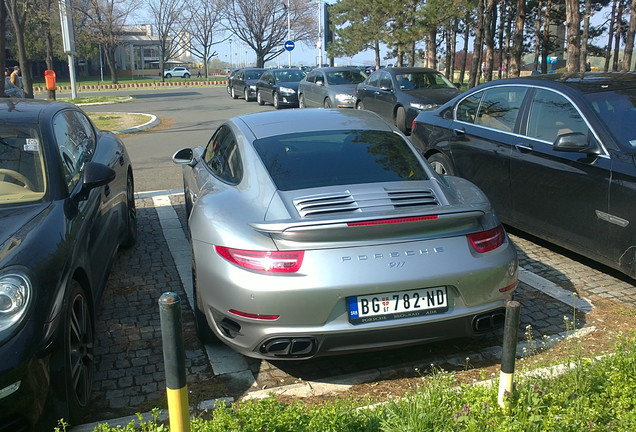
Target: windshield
{"points": [[289, 76], [253, 74], [328, 158], [22, 177], [422, 80], [617, 109], [353, 76]]}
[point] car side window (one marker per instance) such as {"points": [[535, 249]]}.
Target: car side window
{"points": [[551, 115], [467, 108], [385, 81], [311, 77], [499, 108], [222, 156], [374, 80], [75, 139]]}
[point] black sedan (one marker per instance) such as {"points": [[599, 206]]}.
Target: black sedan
{"points": [[556, 154], [66, 205], [243, 83], [399, 94], [279, 87]]}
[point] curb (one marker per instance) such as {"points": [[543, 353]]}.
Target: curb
{"points": [[154, 121]]}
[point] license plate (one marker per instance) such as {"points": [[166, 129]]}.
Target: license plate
{"points": [[396, 305]]}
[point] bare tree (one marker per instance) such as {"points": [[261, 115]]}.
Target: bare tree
{"points": [[170, 21], [629, 43], [105, 20], [262, 24], [204, 29], [573, 20], [18, 12]]}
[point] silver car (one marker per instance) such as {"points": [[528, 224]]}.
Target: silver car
{"points": [[318, 232], [330, 87]]}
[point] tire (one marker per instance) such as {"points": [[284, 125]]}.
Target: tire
{"points": [[259, 99], [186, 75], [73, 362], [130, 236], [400, 120], [360, 105], [276, 101], [233, 93], [301, 101], [327, 103], [168, 75], [246, 94], [203, 330], [441, 164]]}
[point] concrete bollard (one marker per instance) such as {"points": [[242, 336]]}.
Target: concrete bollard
{"points": [[174, 362], [511, 331]]}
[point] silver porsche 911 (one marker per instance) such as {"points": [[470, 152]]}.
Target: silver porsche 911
{"points": [[319, 232]]}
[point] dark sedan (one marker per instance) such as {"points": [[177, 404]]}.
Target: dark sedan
{"points": [[330, 87], [554, 153], [279, 87], [243, 83], [399, 94], [66, 205]]}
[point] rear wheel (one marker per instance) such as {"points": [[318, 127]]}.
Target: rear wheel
{"points": [[186, 75], [441, 164], [130, 237], [246, 94], [74, 362], [233, 93], [360, 105], [204, 332], [259, 98], [276, 101], [327, 103], [168, 75], [400, 120]]}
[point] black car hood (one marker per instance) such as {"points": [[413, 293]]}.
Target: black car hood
{"points": [[437, 96], [16, 223], [289, 84]]}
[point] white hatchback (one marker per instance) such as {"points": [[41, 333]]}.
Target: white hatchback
{"points": [[177, 72]]}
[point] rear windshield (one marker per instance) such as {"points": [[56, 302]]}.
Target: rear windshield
{"points": [[329, 158], [22, 175]]}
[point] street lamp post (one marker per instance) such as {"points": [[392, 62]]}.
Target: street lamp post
{"points": [[288, 31], [231, 57]]}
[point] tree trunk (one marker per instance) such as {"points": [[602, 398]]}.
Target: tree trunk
{"points": [[538, 44], [376, 49], [462, 71], [545, 38], [617, 35], [610, 39], [573, 20], [109, 52], [473, 77], [585, 36], [517, 40], [431, 48], [629, 43], [450, 65], [503, 47], [489, 20]]}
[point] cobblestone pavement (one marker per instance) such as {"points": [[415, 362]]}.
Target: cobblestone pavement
{"points": [[130, 374]]}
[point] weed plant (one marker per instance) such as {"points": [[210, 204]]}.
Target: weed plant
{"points": [[591, 395]]}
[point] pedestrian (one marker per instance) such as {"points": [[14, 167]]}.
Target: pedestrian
{"points": [[588, 66], [15, 77], [199, 73]]}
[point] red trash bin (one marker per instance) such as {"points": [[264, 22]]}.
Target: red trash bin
{"points": [[49, 78]]}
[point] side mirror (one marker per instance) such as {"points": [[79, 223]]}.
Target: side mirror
{"points": [[185, 156], [320, 82], [95, 175], [575, 142]]}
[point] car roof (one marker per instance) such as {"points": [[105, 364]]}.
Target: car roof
{"points": [[29, 110], [271, 123], [405, 70], [336, 68], [590, 82]]}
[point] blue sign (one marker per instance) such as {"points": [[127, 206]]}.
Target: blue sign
{"points": [[289, 45]]}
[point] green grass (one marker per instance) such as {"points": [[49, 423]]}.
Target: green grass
{"points": [[590, 396]]}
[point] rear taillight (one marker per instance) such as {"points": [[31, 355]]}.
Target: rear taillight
{"points": [[487, 240], [267, 261]]}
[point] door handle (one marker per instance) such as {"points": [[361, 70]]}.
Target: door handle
{"points": [[524, 147], [459, 131]]}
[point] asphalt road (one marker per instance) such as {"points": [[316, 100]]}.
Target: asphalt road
{"points": [[189, 117]]}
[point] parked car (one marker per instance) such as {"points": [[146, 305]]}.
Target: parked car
{"points": [[399, 94], [554, 153], [243, 83], [66, 205], [330, 87], [230, 77], [177, 72], [320, 232], [280, 87]]}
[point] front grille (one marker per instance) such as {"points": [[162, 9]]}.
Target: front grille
{"points": [[347, 202]]}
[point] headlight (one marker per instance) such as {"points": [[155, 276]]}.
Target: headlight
{"points": [[15, 296], [423, 107], [343, 97], [287, 90]]}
